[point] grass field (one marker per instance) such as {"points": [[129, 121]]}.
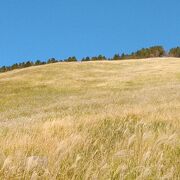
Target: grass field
{"points": [[92, 120]]}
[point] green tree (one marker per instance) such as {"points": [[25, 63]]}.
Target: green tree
{"points": [[71, 59], [52, 60], [116, 57], [175, 52], [86, 59]]}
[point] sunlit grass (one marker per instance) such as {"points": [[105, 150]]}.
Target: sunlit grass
{"points": [[93, 120]]}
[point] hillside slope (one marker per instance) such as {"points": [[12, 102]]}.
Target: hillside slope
{"points": [[92, 120]]}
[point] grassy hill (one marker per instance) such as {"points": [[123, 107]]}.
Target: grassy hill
{"points": [[92, 120]]}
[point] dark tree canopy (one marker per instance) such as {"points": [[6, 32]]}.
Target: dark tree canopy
{"points": [[155, 51], [175, 52], [71, 59]]}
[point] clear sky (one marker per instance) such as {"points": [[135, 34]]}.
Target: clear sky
{"points": [[40, 29]]}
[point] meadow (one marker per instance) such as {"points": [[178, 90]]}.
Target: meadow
{"points": [[91, 120]]}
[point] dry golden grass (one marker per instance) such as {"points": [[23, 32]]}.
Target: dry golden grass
{"points": [[94, 120]]}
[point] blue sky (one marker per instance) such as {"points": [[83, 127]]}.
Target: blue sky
{"points": [[40, 29]]}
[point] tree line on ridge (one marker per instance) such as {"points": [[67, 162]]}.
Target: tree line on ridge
{"points": [[152, 52]]}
